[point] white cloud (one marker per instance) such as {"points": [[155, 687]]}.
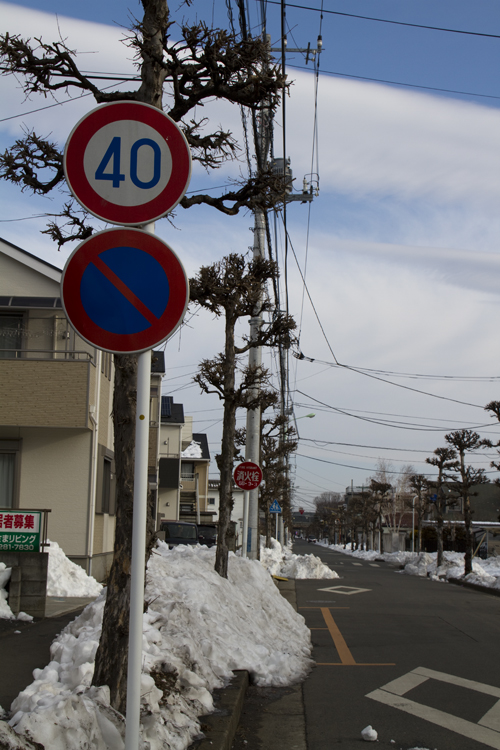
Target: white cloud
{"points": [[382, 141]]}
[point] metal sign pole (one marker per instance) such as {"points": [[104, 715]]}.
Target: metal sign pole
{"points": [[138, 553], [137, 570], [244, 541]]}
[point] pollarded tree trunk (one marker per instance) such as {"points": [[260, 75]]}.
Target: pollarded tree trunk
{"points": [[112, 655], [226, 459], [469, 541], [439, 534]]}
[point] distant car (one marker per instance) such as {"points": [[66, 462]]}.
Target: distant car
{"points": [[179, 532], [207, 534], [311, 539]]}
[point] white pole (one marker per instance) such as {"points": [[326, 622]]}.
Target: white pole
{"points": [[132, 731], [244, 541], [276, 526], [138, 564], [413, 525]]}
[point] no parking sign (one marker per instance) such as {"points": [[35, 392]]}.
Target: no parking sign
{"points": [[124, 290]]}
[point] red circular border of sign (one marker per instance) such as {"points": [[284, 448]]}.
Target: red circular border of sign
{"points": [[78, 141], [120, 343], [248, 466]]}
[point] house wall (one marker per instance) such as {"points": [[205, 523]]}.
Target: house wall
{"points": [[187, 431], [55, 474], [168, 503], [49, 393], [15, 280]]}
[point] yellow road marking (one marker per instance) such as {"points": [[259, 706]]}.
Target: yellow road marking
{"points": [[345, 655], [346, 658]]}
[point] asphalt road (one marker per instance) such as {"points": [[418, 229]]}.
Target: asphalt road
{"points": [[416, 659]]}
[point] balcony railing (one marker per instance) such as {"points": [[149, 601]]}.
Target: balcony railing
{"points": [[45, 354]]}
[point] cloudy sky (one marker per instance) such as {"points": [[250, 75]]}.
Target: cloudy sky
{"points": [[398, 316]]}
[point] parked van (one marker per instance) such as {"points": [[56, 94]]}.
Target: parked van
{"points": [[179, 532]]}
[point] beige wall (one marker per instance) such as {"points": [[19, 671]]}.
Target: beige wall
{"points": [[17, 279], [170, 434], [48, 393], [187, 431], [168, 496], [55, 474]]}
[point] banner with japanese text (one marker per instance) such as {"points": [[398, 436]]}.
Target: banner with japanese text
{"points": [[20, 531]]}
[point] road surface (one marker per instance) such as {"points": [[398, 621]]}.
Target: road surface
{"points": [[416, 659]]}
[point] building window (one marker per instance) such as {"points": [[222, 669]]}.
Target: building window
{"points": [[106, 486], [106, 359], [211, 501], [7, 476], [11, 330], [187, 470]]}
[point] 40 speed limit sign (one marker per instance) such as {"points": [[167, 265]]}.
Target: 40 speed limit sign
{"points": [[127, 163]]}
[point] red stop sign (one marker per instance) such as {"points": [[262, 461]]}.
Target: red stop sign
{"points": [[301, 511], [247, 475]]}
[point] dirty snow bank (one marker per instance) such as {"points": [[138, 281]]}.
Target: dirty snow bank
{"points": [[198, 628], [280, 561]]}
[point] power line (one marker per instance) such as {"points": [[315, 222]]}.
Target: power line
{"points": [[386, 423], [389, 21], [399, 83]]}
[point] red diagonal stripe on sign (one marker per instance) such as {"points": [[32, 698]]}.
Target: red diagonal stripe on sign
{"points": [[123, 288]]}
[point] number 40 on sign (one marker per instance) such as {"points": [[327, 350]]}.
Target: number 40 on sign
{"points": [[127, 163]]}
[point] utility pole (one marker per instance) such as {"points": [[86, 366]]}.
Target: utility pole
{"points": [[263, 138]]}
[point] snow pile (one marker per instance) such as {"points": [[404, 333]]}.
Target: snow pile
{"points": [[484, 572], [192, 451], [280, 561], [5, 610], [198, 628], [369, 734], [66, 578], [393, 558]]}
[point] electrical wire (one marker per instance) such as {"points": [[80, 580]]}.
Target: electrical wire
{"points": [[399, 83], [387, 423], [386, 20]]}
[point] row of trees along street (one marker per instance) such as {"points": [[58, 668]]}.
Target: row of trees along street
{"points": [[387, 504], [177, 76]]}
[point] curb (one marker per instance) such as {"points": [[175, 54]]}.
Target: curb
{"points": [[474, 586], [220, 727]]}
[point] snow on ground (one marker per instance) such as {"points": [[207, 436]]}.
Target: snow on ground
{"points": [[66, 578], [280, 561], [5, 610], [197, 629], [424, 564]]}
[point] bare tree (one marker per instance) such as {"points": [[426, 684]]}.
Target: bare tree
{"points": [[445, 461], [420, 486], [274, 454], [467, 441], [203, 65], [232, 288]]}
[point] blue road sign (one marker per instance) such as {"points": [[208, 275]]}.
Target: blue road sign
{"points": [[124, 290], [275, 507]]}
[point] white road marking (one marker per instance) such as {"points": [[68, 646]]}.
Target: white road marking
{"points": [[360, 564], [347, 590], [374, 565], [486, 731]]}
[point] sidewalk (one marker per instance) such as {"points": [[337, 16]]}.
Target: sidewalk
{"points": [[246, 717], [25, 646]]}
